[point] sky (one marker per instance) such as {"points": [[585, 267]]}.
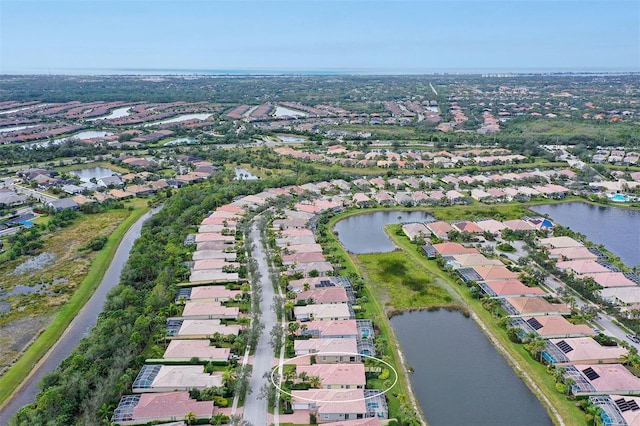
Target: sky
{"points": [[307, 36]]}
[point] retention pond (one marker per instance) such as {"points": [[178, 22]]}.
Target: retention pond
{"points": [[459, 377]]}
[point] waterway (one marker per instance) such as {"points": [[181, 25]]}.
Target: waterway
{"points": [[459, 377], [618, 229], [79, 327], [365, 233], [87, 174]]}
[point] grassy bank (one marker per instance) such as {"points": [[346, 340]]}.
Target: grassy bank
{"points": [[543, 383], [21, 369]]}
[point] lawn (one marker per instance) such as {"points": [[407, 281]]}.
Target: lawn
{"points": [[396, 281], [105, 164]]}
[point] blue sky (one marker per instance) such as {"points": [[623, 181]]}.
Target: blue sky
{"points": [[330, 35]]}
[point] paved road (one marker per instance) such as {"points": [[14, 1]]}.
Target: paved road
{"points": [[32, 193], [80, 325], [255, 410]]}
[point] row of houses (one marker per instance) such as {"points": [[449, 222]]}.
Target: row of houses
{"points": [[330, 343], [161, 389]]}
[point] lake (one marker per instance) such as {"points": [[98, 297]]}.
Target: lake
{"points": [[89, 134], [364, 233], [244, 174], [116, 113], [618, 229], [86, 175], [179, 119], [286, 112], [459, 378]]}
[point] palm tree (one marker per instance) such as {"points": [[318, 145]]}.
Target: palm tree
{"points": [[314, 382], [229, 377], [303, 377], [536, 346], [190, 418]]}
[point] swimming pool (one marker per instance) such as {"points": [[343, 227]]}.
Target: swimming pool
{"points": [[621, 198]]}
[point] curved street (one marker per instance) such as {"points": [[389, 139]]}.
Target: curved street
{"points": [[79, 327]]}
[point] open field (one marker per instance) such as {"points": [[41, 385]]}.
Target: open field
{"points": [[399, 285], [83, 272]]}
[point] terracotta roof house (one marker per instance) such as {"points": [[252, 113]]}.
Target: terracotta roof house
{"points": [[229, 256], [336, 376], [167, 378], [602, 379], [439, 229], [159, 407], [290, 259], [331, 404], [208, 310], [444, 249], [329, 350], [611, 279], [342, 329], [572, 253], [491, 225], [536, 306], [325, 312], [495, 272], [415, 230], [560, 242], [621, 295], [466, 226], [509, 288], [213, 264], [199, 329], [581, 350], [304, 248], [214, 236], [213, 293], [384, 198], [518, 225], [470, 260], [209, 276], [306, 268], [555, 326], [184, 350], [582, 267], [327, 295]]}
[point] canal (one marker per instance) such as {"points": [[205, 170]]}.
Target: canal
{"points": [[79, 327], [618, 229], [459, 378]]}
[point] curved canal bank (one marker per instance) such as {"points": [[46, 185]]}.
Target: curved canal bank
{"points": [[79, 326]]}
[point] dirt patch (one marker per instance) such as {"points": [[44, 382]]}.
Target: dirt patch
{"points": [[17, 335]]}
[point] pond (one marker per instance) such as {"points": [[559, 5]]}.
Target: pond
{"points": [[364, 233], [244, 174], [618, 229], [459, 378], [86, 175], [179, 119], [116, 113], [286, 112]]}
